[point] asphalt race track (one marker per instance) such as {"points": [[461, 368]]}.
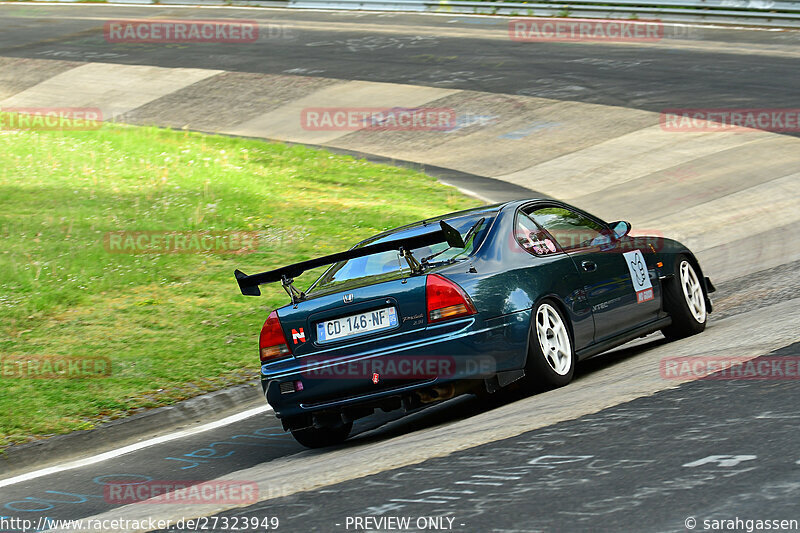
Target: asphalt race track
{"points": [[633, 467], [692, 67], [622, 448]]}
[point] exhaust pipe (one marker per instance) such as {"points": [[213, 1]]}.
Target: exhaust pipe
{"points": [[437, 393]]}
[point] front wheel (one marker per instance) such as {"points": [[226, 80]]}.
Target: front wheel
{"points": [[551, 359], [685, 301], [321, 437]]}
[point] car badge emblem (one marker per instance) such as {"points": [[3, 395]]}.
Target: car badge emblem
{"points": [[376, 378], [347, 298]]}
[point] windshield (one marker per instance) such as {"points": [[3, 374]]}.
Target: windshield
{"points": [[389, 265]]}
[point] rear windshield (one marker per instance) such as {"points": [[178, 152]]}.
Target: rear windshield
{"points": [[389, 265]]}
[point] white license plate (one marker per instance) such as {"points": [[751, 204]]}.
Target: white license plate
{"points": [[350, 326]]}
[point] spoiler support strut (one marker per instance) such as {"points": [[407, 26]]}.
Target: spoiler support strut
{"points": [[414, 265], [291, 290]]}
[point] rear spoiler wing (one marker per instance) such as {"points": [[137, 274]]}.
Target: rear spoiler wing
{"points": [[446, 233]]}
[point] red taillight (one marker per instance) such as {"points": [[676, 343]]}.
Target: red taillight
{"points": [[272, 342], [446, 299]]}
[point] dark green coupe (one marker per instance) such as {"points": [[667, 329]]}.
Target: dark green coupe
{"points": [[466, 302]]}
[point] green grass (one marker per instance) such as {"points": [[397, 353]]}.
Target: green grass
{"points": [[173, 325]]}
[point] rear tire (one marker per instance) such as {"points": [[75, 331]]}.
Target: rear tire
{"points": [[685, 301], [551, 357], [322, 437]]}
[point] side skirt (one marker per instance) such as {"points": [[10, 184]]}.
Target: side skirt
{"points": [[622, 338]]}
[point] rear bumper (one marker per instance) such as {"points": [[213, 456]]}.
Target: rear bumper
{"points": [[448, 353]]}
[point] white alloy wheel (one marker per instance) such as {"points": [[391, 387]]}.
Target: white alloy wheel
{"points": [[553, 339], [693, 292]]}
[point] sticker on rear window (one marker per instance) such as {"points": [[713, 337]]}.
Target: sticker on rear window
{"points": [[640, 277]]}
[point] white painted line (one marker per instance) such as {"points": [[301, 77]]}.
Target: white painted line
{"points": [[134, 447]]}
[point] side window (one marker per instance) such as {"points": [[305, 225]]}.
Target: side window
{"points": [[570, 229], [531, 237]]}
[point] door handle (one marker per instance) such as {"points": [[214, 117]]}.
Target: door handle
{"points": [[589, 266]]}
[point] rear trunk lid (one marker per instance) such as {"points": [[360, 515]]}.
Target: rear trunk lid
{"points": [[357, 318]]}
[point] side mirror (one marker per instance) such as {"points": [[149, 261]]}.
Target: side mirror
{"points": [[620, 229]]}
